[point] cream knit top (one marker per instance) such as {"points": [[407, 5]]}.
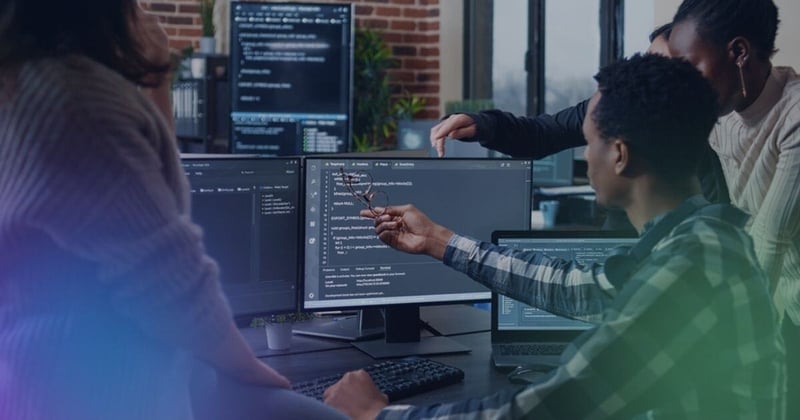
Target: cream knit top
{"points": [[759, 150]]}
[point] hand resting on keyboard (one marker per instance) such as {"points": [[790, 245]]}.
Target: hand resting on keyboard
{"points": [[396, 378]]}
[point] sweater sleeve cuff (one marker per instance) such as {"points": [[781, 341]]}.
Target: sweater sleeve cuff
{"points": [[460, 250], [483, 128]]}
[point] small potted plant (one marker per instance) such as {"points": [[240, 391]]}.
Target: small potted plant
{"points": [[208, 44], [279, 328]]}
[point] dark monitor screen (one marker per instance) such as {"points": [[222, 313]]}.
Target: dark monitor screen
{"points": [[346, 265], [291, 73], [248, 209]]}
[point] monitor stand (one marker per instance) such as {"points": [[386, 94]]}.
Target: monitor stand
{"points": [[366, 324], [403, 339]]}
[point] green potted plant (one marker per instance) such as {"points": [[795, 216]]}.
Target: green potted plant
{"points": [[208, 44], [376, 113], [278, 328]]}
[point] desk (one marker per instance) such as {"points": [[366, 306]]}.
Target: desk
{"points": [[480, 377]]}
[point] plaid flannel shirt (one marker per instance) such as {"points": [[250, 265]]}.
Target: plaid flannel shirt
{"points": [[691, 335]]}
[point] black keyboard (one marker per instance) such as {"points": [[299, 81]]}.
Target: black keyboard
{"points": [[543, 349], [396, 378]]}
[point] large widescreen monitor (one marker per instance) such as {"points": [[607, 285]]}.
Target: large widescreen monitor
{"points": [[249, 211], [291, 77], [347, 266]]}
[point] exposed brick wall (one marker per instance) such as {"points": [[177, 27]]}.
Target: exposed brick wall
{"points": [[410, 28]]}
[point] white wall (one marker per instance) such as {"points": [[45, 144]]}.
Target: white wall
{"points": [[451, 47], [665, 9], [788, 34], [788, 31]]}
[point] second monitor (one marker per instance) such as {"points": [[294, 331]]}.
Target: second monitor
{"points": [[248, 210], [291, 77], [347, 266]]}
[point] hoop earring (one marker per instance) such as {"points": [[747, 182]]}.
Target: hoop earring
{"points": [[740, 64]]}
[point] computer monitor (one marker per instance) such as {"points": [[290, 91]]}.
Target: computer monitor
{"points": [[291, 77], [347, 266], [515, 318], [249, 211], [554, 171]]}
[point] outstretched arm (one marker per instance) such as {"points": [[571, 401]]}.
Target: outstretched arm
{"points": [[518, 136], [563, 287], [407, 229]]}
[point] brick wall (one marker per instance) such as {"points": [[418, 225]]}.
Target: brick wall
{"points": [[410, 28]]}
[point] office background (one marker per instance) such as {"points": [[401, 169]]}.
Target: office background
{"points": [[430, 39], [448, 50]]}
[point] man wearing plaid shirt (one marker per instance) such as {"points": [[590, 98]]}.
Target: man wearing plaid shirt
{"points": [[685, 327]]}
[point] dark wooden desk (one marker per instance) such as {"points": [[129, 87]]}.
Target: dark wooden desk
{"points": [[480, 378], [312, 357]]}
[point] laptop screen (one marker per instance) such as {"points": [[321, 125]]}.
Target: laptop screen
{"points": [[587, 247]]}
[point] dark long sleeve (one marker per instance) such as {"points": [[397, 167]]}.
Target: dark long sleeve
{"points": [[532, 137]]}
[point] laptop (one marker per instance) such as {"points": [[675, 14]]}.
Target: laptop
{"points": [[526, 336]]}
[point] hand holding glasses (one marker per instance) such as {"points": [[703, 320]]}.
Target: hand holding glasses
{"points": [[359, 184]]}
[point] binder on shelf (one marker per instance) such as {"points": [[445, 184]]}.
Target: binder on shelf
{"points": [[201, 105]]}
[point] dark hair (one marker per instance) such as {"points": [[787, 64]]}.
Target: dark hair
{"points": [[98, 29], [662, 108], [719, 21], [664, 29]]}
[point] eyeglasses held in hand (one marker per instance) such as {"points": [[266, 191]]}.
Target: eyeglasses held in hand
{"points": [[359, 184]]}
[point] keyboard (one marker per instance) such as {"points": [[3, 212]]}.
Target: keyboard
{"points": [[397, 379], [525, 349]]}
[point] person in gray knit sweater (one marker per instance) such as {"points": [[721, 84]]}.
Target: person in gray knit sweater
{"points": [[109, 306]]}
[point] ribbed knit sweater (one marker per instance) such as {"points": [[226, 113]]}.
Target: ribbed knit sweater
{"points": [[759, 149], [105, 288]]}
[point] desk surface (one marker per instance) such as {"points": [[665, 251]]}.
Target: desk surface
{"points": [[480, 377]]}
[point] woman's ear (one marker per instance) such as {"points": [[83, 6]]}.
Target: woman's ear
{"points": [[739, 50]]}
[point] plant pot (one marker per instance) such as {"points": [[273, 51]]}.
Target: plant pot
{"points": [[208, 45], [279, 336]]}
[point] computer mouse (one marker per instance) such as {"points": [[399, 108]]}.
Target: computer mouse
{"points": [[528, 373]]}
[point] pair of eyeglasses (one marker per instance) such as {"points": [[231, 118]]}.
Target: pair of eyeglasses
{"points": [[359, 184]]}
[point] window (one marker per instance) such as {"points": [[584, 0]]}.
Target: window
{"points": [[544, 53], [571, 52], [639, 17], [509, 46]]}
